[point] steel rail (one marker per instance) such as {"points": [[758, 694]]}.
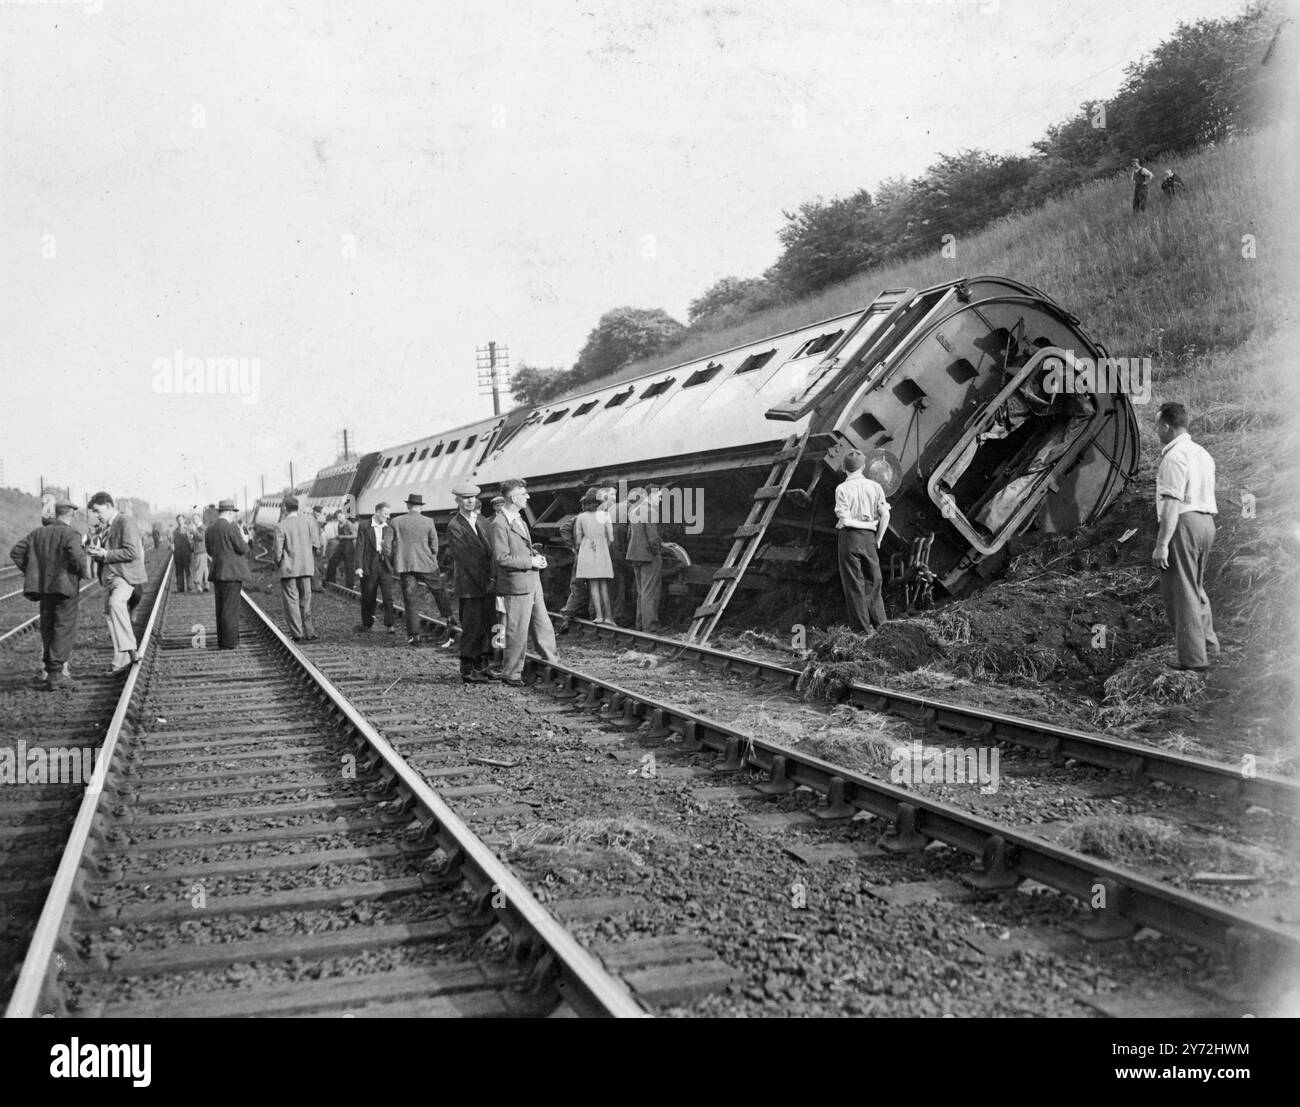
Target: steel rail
{"points": [[1127, 899], [35, 975], [34, 621], [1237, 783], [583, 982]]}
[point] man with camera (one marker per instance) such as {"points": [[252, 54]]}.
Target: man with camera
{"points": [[119, 552]]}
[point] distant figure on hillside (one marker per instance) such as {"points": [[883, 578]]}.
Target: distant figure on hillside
{"points": [[1172, 184], [1141, 178]]}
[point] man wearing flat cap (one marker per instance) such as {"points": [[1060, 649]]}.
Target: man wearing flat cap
{"points": [[415, 561], [53, 565], [227, 545], [469, 538]]}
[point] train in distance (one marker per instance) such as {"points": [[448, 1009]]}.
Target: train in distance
{"points": [[952, 392]]}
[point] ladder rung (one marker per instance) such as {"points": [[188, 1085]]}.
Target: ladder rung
{"points": [[704, 611], [731, 572], [768, 492], [788, 455], [748, 530]]}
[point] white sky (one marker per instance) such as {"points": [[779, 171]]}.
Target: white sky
{"points": [[506, 171]]}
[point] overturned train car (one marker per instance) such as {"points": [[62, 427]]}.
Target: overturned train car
{"points": [[953, 392]]}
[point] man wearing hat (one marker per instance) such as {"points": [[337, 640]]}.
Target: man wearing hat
{"points": [[227, 545], [53, 566], [469, 540], [415, 561], [295, 556]]}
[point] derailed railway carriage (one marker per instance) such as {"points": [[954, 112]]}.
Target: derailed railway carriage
{"points": [[942, 388]]}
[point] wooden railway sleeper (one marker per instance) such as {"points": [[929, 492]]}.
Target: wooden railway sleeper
{"points": [[482, 914]]}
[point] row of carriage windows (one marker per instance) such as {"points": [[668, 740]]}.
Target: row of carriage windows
{"points": [[751, 364]]}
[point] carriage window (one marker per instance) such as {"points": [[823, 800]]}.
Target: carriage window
{"points": [[451, 446], [582, 409], [556, 416], [387, 462], [658, 388], [424, 453], [755, 361], [410, 457], [701, 375], [436, 450], [619, 398], [471, 440], [820, 343]]}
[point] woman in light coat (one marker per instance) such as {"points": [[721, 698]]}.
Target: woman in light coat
{"points": [[592, 536]]}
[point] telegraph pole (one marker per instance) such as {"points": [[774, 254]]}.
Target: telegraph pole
{"points": [[493, 372]]}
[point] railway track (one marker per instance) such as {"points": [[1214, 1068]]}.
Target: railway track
{"points": [[35, 816], [250, 845], [1121, 901], [16, 611]]}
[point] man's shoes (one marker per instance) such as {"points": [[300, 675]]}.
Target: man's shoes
{"points": [[59, 680], [294, 638], [361, 629], [474, 677], [491, 674], [312, 637], [1188, 668], [42, 680], [513, 682], [119, 670], [135, 657], [565, 626], [414, 640], [391, 630]]}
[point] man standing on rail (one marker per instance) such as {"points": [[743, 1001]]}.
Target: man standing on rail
{"points": [[227, 545], [415, 560], [863, 518], [295, 554], [121, 567], [519, 583], [375, 568], [53, 566], [1186, 508], [469, 538]]}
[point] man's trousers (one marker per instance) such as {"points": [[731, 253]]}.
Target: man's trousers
{"points": [[649, 591], [1182, 586], [861, 577], [372, 584], [58, 630], [117, 594], [295, 592], [411, 583], [182, 572], [227, 612], [525, 613], [478, 614]]}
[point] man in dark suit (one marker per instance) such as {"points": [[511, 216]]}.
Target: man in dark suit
{"points": [[295, 553], [519, 582], [227, 545], [375, 568], [643, 554], [53, 566], [120, 554], [415, 561], [469, 537], [181, 554]]}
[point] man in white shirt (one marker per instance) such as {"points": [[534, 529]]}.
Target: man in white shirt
{"points": [[863, 514], [1186, 508]]}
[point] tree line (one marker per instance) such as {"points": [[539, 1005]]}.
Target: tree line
{"points": [[1209, 81]]}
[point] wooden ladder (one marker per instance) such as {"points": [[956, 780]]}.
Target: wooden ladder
{"points": [[748, 536]]}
